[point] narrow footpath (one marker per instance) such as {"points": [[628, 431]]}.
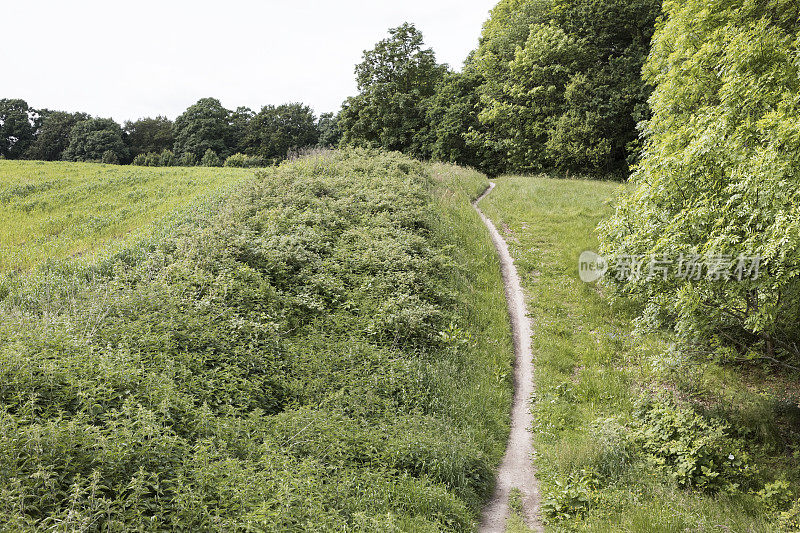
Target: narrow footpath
{"points": [[517, 470]]}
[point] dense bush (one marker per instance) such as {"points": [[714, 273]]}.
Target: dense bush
{"points": [[245, 161], [720, 175], [210, 159], [690, 450], [313, 355]]}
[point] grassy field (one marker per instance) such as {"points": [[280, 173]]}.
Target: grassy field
{"points": [[52, 211], [632, 435], [328, 350]]}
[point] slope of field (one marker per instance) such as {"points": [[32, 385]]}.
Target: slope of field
{"points": [[328, 351], [51, 211], [631, 434]]}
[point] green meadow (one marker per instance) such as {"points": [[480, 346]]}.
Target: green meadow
{"points": [[57, 210]]}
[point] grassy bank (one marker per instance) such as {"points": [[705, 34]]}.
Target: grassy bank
{"points": [[631, 434], [326, 351], [51, 211]]}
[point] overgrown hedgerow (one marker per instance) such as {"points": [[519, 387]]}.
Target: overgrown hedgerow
{"points": [[328, 351]]}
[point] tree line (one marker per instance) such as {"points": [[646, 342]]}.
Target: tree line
{"points": [[206, 134], [553, 84]]}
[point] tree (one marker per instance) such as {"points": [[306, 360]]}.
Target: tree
{"points": [[240, 124], [454, 126], [720, 176], [204, 126], [329, 132], [149, 135], [52, 134], [586, 120], [522, 116], [276, 130], [395, 79], [90, 139], [16, 128]]}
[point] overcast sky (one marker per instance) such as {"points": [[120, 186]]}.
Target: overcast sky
{"points": [[128, 60]]}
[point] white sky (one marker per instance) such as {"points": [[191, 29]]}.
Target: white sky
{"points": [[139, 58]]}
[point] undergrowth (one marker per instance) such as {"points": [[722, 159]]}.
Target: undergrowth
{"points": [[328, 350]]}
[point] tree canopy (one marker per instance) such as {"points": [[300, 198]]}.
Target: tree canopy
{"points": [[53, 134], [91, 139], [204, 126], [16, 128], [394, 79], [148, 135], [275, 130], [720, 172]]}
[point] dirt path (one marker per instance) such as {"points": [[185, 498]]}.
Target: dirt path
{"points": [[516, 470]]}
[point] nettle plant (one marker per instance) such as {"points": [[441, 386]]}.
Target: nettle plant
{"points": [[720, 174]]}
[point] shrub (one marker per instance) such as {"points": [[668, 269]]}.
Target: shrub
{"points": [[309, 355], [789, 521], [140, 160], [167, 158], [719, 175], [240, 160], [210, 159], [188, 159], [152, 159], [692, 451]]}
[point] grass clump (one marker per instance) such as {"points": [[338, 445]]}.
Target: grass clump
{"points": [[327, 351]]}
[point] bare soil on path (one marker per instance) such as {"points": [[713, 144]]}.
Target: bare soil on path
{"points": [[517, 470]]}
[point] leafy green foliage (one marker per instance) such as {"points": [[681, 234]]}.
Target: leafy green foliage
{"points": [[276, 130], [203, 126], [149, 135], [16, 128], [692, 451], [52, 134], [562, 82], [90, 139], [453, 114], [330, 135], [320, 352], [571, 498], [245, 161], [719, 175], [210, 159], [395, 79]]}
